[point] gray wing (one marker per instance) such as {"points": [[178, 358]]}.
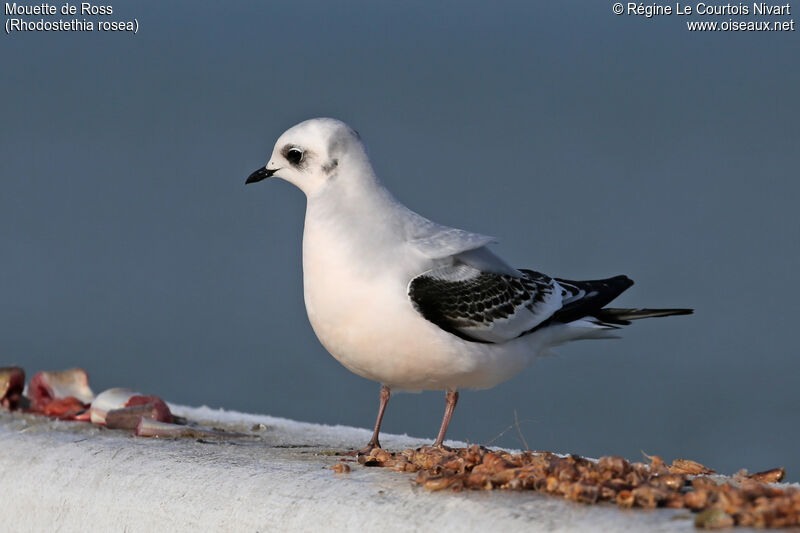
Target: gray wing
{"points": [[483, 306], [440, 241], [443, 243]]}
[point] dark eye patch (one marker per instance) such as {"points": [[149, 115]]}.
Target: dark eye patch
{"points": [[294, 156]]}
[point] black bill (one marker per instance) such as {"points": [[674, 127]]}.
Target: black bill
{"points": [[260, 174]]}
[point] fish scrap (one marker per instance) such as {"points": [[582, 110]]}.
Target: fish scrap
{"points": [[120, 408], [66, 395], [63, 394]]}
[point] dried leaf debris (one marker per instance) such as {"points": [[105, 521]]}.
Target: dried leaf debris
{"points": [[744, 500]]}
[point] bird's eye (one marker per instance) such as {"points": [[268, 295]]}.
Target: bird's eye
{"points": [[294, 156]]}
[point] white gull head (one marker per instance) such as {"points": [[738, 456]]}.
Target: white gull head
{"points": [[317, 153]]}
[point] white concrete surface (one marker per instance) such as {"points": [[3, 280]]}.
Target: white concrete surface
{"points": [[71, 476]]}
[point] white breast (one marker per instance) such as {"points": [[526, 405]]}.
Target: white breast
{"points": [[365, 320], [357, 313]]}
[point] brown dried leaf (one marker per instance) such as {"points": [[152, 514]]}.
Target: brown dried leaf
{"points": [[769, 476], [696, 500], [689, 467], [438, 483], [681, 485], [625, 498], [616, 466], [649, 497]]}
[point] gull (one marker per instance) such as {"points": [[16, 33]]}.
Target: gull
{"points": [[412, 304]]}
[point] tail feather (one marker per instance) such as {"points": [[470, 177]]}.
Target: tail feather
{"points": [[623, 317]]}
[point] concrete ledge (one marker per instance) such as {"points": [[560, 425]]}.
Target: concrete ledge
{"points": [[71, 476]]}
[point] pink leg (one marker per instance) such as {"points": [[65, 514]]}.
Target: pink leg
{"points": [[374, 442], [452, 400]]}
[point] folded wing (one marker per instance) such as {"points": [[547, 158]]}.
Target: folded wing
{"points": [[482, 306], [437, 242]]}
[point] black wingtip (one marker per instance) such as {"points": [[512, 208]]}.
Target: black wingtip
{"points": [[671, 312], [624, 280], [614, 315]]}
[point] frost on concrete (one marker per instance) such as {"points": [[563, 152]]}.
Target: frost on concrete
{"points": [[73, 476]]}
